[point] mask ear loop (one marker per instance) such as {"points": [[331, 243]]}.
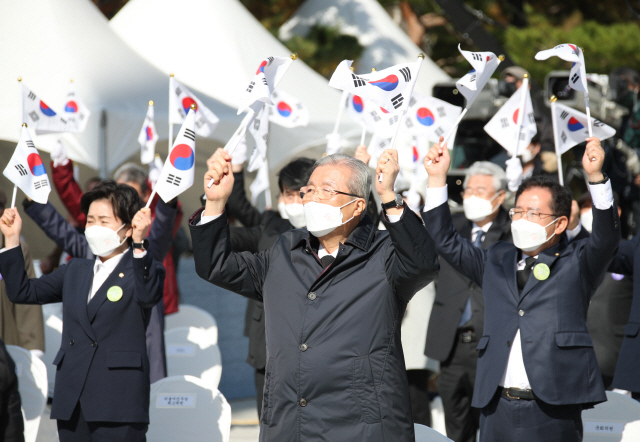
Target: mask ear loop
{"points": [[554, 233], [344, 205]]}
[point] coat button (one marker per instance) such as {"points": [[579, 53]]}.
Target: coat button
{"points": [[94, 344], [303, 402], [72, 342], [521, 312], [303, 347], [311, 296]]}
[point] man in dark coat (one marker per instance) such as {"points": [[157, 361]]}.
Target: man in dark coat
{"points": [[11, 422], [536, 366], [334, 295], [261, 231]]}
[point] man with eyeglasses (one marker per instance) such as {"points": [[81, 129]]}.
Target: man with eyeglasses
{"points": [[334, 295], [536, 366]]}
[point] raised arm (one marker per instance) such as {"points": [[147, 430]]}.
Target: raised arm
{"points": [[161, 231], [69, 190], [457, 251], [149, 273]]}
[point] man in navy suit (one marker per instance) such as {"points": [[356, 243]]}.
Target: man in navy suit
{"points": [[102, 378], [536, 366]]}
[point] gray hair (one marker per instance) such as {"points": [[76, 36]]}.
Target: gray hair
{"points": [[131, 172], [360, 180], [487, 168]]}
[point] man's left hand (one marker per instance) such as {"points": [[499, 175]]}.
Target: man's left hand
{"points": [[593, 159], [140, 224], [387, 166]]}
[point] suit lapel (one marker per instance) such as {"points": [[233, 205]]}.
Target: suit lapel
{"points": [[124, 266], [547, 257], [82, 293], [510, 265]]}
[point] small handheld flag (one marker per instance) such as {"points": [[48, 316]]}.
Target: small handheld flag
{"points": [[42, 118], [148, 137], [181, 100], [484, 65], [260, 88], [287, 110], [75, 112], [431, 117], [259, 130], [27, 171]]}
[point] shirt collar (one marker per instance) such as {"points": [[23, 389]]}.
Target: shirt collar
{"points": [[109, 264], [361, 237], [485, 228]]}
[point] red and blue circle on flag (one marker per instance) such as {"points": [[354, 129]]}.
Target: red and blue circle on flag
{"points": [[388, 83], [186, 104], [182, 157], [425, 116], [261, 67], [35, 164], [416, 155], [149, 132], [357, 103], [46, 109], [284, 109], [71, 107], [574, 125]]}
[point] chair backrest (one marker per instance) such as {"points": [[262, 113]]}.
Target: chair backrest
{"points": [[52, 314], [426, 434], [190, 316], [184, 408], [32, 385], [631, 432], [193, 351], [437, 415], [605, 422]]}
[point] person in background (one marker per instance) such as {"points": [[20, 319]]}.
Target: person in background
{"points": [[531, 162], [20, 325], [11, 421], [102, 379]]}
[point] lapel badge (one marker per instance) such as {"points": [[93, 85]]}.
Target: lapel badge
{"points": [[121, 275], [114, 293], [541, 271]]}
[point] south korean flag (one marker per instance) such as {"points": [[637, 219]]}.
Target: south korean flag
{"points": [[26, 170], [39, 116], [573, 54], [503, 127], [261, 86], [287, 110], [148, 137], [570, 127], [431, 118], [259, 130], [180, 101], [75, 111], [179, 167], [484, 65]]}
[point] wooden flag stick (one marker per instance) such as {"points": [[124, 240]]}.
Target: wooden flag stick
{"points": [[15, 194]]}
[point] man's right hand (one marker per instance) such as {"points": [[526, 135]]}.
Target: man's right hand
{"points": [[11, 226], [220, 172], [437, 162]]}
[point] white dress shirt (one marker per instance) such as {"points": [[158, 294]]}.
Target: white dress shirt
{"points": [[515, 374], [102, 270]]}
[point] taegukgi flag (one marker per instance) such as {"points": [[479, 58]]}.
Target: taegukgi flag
{"points": [[40, 117], [484, 65], [260, 88], [261, 183], [180, 101], [259, 130], [390, 88], [571, 53], [179, 167], [75, 111], [431, 117], [503, 127], [26, 170], [148, 137], [570, 127], [287, 110]]}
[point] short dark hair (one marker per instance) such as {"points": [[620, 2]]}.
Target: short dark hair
{"points": [[123, 198], [295, 174], [560, 197]]}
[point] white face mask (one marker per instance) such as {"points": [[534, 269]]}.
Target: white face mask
{"points": [[528, 236], [526, 156], [103, 241], [295, 215], [477, 209], [282, 211], [587, 220], [323, 219]]}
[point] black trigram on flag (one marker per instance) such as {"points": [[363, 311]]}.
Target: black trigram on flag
{"points": [[34, 116], [477, 57], [357, 81], [270, 60], [199, 123], [397, 101], [532, 118], [597, 123], [175, 180], [375, 116], [564, 114], [575, 78], [504, 122], [441, 112], [31, 96], [256, 124], [264, 81], [408, 122], [250, 88], [406, 73], [21, 169], [563, 137], [188, 133], [40, 184], [299, 106], [439, 131], [393, 120], [178, 91], [30, 144], [412, 101]]}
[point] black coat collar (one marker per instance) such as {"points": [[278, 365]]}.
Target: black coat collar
{"points": [[361, 237]]}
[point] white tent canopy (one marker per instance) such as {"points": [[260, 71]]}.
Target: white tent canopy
{"points": [[221, 48], [384, 42], [49, 42]]}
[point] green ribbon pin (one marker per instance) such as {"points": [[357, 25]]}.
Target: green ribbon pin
{"points": [[114, 294], [541, 271]]}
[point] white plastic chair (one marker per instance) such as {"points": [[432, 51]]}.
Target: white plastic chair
{"points": [[193, 351], [631, 432], [185, 409], [437, 416], [426, 434], [191, 316], [32, 385], [606, 421], [52, 314]]}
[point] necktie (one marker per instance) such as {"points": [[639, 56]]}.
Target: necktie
{"points": [[522, 276], [327, 260], [466, 313]]}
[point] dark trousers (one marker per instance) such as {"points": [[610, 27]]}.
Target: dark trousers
{"points": [[155, 344], [518, 420], [77, 429], [419, 395], [259, 380], [455, 385]]}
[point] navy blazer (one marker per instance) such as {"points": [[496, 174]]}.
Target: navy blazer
{"points": [[102, 360], [551, 314], [627, 374]]}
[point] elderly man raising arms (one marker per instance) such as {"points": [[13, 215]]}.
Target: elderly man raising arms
{"points": [[334, 294]]}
